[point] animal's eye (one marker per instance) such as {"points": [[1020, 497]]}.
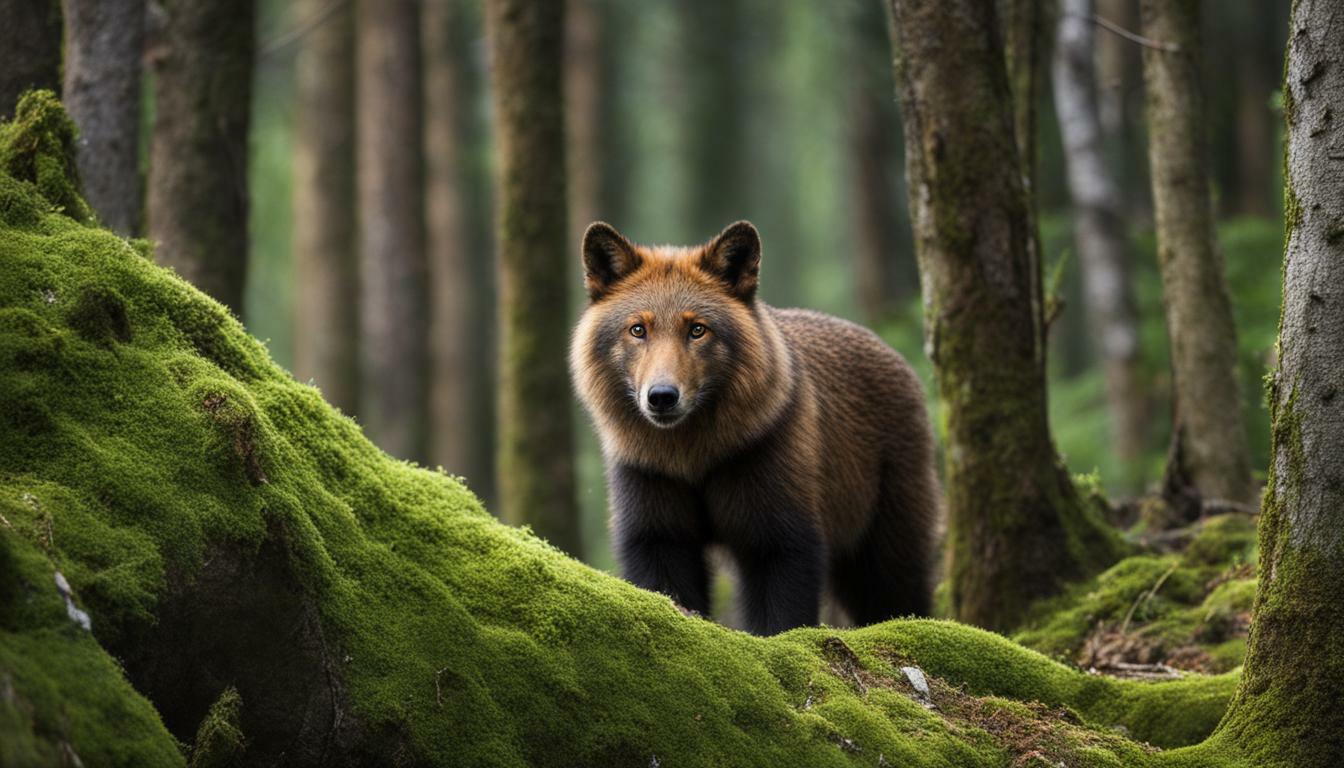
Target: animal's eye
{"points": [[637, 330], [698, 330]]}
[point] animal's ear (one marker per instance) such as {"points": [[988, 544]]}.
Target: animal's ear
{"points": [[735, 258], [607, 257]]}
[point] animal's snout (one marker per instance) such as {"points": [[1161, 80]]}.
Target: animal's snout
{"points": [[663, 398]]}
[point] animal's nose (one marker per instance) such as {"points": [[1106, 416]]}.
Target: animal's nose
{"points": [[663, 397]]}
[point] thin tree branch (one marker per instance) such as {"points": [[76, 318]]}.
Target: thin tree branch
{"points": [[292, 36], [1133, 37]]}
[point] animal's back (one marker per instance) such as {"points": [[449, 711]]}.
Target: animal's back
{"points": [[871, 421]]}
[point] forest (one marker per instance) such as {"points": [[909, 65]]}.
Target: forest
{"points": [[341, 424]]}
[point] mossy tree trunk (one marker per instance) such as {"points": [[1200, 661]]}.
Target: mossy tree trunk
{"points": [[1099, 231], [1286, 711], [326, 315], [394, 318], [201, 54], [30, 38], [536, 465], [1018, 529], [884, 277], [460, 252], [1210, 453], [104, 45]]}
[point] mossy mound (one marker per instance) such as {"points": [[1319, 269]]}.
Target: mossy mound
{"points": [[1188, 610], [275, 590]]}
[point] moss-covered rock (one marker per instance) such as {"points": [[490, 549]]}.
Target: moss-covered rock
{"points": [[278, 590]]}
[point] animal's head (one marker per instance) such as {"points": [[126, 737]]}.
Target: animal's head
{"points": [[667, 330]]}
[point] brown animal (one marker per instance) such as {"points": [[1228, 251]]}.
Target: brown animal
{"points": [[796, 441]]}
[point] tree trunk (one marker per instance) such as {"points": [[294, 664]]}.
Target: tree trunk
{"points": [[1099, 232], [536, 471], [883, 276], [326, 318], [1017, 527], [713, 117], [583, 115], [1022, 32], [197, 204], [1287, 711], [31, 40], [1255, 71], [1120, 72], [1210, 453], [461, 263], [104, 45], [394, 321]]}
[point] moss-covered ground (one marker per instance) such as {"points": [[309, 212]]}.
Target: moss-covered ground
{"points": [[265, 586]]}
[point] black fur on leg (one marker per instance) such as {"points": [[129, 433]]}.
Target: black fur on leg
{"points": [[660, 535]]}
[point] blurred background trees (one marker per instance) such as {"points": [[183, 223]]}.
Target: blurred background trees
{"points": [[353, 158]]}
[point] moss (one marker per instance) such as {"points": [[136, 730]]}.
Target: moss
{"points": [[219, 742], [1190, 610], [38, 146], [216, 518]]}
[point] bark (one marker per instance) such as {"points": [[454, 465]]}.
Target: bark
{"points": [[1287, 711], [1017, 527], [535, 471], [1210, 453], [1255, 73], [201, 55], [1099, 230], [883, 276], [583, 114], [460, 253], [326, 317], [31, 40], [1120, 72], [394, 321], [714, 115], [1022, 32], [104, 45]]}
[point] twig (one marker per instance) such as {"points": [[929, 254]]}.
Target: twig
{"points": [[438, 692], [1211, 506], [1132, 37], [284, 41], [1146, 596]]}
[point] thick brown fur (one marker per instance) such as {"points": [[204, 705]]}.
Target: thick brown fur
{"points": [[799, 442]]}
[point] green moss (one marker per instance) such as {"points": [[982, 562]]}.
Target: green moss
{"points": [[1190, 610], [137, 462], [219, 742], [38, 146]]}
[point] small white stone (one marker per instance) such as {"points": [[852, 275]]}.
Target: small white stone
{"points": [[916, 677]]}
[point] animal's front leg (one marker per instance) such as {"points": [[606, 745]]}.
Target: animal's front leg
{"points": [[659, 536], [781, 581]]}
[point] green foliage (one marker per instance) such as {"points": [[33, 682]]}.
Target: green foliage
{"points": [[129, 451]]}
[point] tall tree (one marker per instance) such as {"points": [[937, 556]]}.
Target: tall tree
{"points": [[1120, 75], [1255, 71], [713, 117], [1017, 527], [31, 40], [1099, 229], [104, 45], [461, 258], [536, 467], [201, 55], [394, 318], [1286, 711], [1210, 452], [326, 316], [584, 113], [883, 276]]}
